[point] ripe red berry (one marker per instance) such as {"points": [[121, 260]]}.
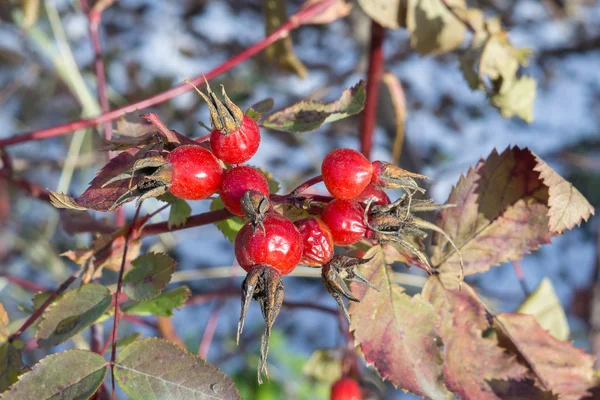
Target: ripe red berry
{"points": [[318, 242], [346, 173], [345, 219], [371, 193], [195, 174], [278, 245], [238, 181], [239, 145], [345, 389]]}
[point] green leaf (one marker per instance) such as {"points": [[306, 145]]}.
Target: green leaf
{"points": [[73, 374], [180, 210], [308, 115], [256, 110], [517, 99], [11, 366], [396, 332], [74, 312], [163, 305], [433, 28], [229, 227], [545, 306], [148, 276], [158, 369]]}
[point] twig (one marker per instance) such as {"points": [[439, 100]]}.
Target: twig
{"points": [[167, 330], [37, 313], [301, 17], [24, 283], [32, 189], [209, 331], [115, 329], [374, 75], [94, 16], [521, 277], [306, 185]]}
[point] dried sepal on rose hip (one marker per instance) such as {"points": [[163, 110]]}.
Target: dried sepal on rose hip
{"points": [[236, 182], [255, 205], [266, 254], [235, 136], [343, 268], [395, 222], [390, 176], [189, 172]]}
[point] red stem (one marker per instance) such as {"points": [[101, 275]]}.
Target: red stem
{"points": [[521, 277], [24, 283], [162, 128], [115, 329], [374, 75], [301, 17], [206, 218], [307, 184], [32, 190], [209, 331]]}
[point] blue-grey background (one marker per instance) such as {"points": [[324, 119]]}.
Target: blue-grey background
{"points": [[46, 78]]}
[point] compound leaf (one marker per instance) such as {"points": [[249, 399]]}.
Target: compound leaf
{"points": [[73, 374], [72, 313], [308, 115], [568, 207], [148, 276], [562, 368], [158, 369], [396, 332], [470, 360]]}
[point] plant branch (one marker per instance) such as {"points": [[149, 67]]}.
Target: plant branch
{"points": [[303, 16], [32, 189], [115, 329], [306, 185], [374, 75]]}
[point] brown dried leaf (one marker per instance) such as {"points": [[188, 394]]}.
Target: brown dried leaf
{"points": [[388, 13], [61, 200], [470, 360], [3, 324], [568, 207], [563, 368], [396, 332], [500, 214]]}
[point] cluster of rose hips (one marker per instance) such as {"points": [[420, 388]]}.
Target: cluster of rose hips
{"points": [[270, 245]]}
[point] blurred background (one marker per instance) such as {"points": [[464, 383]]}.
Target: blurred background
{"points": [[47, 78]]}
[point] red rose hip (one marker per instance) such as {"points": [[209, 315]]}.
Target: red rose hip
{"points": [[278, 245], [373, 194], [317, 241], [238, 181], [195, 174], [345, 219], [238, 145], [346, 173], [345, 389]]}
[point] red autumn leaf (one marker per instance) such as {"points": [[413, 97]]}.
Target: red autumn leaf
{"points": [[503, 211], [470, 360], [562, 368], [396, 332]]}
